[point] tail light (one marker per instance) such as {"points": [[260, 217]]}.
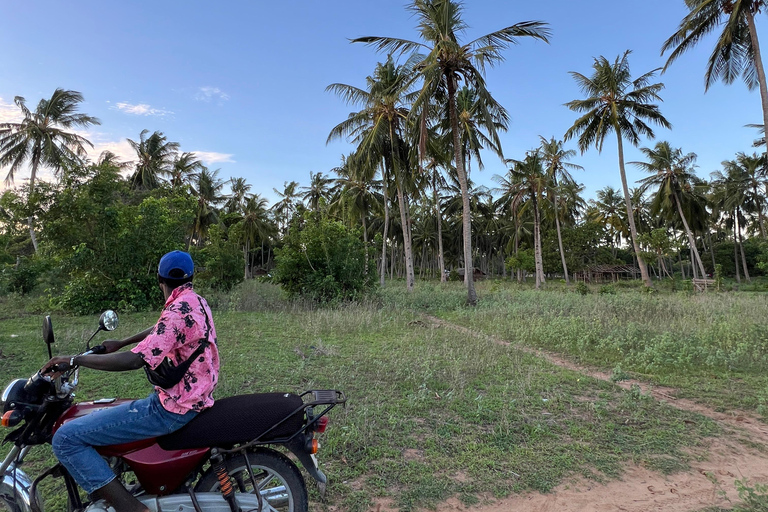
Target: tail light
{"points": [[321, 424]]}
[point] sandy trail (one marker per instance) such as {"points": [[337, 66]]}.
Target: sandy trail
{"points": [[710, 483]]}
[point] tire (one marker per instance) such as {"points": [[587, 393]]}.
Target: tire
{"points": [[8, 504], [282, 486]]}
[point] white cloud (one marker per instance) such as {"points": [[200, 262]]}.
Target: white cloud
{"points": [[9, 113], [209, 93], [141, 109], [211, 157]]}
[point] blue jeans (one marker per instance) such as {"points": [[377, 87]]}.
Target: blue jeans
{"points": [[141, 419]]}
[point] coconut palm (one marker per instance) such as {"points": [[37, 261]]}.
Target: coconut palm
{"points": [[287, 203], [183, 169], [729, 195], [446, 62], [672, 174], [156, 157], [737, 50], [525, 184], [379, 129], [616, 103], [606, 209], [754, 181], [555, 158], [256, 223], [43, 139], [317, 191], [207, 190], [238, 195]]}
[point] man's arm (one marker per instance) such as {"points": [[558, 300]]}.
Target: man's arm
{"points": [[120, 362], [115, 345]]}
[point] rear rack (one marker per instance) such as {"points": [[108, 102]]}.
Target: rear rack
{"points": [[329, 398]]}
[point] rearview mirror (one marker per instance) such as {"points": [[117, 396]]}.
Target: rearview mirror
{"points": [[108, 320], [48, 330]]}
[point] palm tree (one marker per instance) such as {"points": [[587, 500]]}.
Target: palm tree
{"points": [[754, 178], [238, 195], [287, 203], [673, 175], [379, 130], [183, 169], [555, 159], [526, 183], [42, 139], [446, 62], [607, 210], [616, 103], [255, 222], [317, 191], [155, 158], [737, 50], [207, 191]]}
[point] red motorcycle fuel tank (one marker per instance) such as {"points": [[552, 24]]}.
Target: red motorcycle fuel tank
{"points": [[159, 471]]}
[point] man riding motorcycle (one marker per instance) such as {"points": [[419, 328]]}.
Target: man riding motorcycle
{"points": [[179, 354]]}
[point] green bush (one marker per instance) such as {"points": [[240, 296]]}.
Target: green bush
{"points": [[607, 289], [582, 288], [22, 278], [323, 260]]}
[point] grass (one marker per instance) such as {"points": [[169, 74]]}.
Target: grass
{"points": [[432, 413], [713, 347]]}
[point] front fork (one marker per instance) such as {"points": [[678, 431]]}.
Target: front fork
{"points": [[14, 483]]}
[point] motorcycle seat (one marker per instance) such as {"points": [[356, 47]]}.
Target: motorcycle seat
{"points": [[239, 419]]}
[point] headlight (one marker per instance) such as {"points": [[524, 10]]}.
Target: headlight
{"points": [[14, 392]]}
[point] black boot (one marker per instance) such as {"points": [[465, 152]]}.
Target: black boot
{"points": [[121, 500]]}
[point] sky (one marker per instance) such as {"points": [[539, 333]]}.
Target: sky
{"points": [[242, 83]]}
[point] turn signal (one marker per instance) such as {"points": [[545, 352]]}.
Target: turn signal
{"points": [[321, 425], [11, 419], [315, 447]]}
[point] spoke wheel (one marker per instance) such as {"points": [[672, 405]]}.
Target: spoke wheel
{"points": [[8, 504], [278, 480]]}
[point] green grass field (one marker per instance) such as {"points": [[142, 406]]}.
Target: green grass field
{"points": [[434, 413]]}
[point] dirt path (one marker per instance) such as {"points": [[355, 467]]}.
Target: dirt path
{"points": [[711, 483]]}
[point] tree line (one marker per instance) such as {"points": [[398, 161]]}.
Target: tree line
{"points": [[419, 128]]}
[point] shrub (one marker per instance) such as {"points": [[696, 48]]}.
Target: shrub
{"points": [[607, 289], [582, 288], [323, 260]]}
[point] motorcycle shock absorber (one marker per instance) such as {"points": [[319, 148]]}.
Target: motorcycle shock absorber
{"points": [[225, 482]]}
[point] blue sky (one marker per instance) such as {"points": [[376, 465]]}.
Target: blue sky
{"points": [[243, 83]]}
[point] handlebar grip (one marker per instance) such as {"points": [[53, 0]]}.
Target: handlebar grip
{"points": [[98, 349], [61, 367]]}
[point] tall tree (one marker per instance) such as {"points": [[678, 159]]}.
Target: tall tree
{"points": [[43, 139], [317, 191], [287, 203], [555, 158], [207, 191], [672, 173], [616, 103], [446, 62], [379, 129], [155, 158], [737, 50], [238, 195], [183, 169]]}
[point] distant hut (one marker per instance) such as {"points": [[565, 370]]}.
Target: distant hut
{"points": [[607, 273], [478, 274]]}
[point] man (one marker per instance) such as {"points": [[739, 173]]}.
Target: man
{"points": [[179, 353]]}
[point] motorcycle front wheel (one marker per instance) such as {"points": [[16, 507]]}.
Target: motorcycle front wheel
{"points": [[278, 479], [8, 504]]}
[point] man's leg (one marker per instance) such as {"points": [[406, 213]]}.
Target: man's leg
{"points": [[73, 445]]}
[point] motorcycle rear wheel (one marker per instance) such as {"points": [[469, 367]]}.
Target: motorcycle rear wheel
{"points": [[279, 480]]}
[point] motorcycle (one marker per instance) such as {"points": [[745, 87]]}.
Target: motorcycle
{"points": [[227, 459]]}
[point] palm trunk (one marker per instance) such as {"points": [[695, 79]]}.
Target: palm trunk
{"points": [[537, 253], [560, 240], [691, 240], [386, 227], [439, 218], [736, 253], [711, 249], [466, 219], [365, 241], [245, 258], [741, 247], [409, 279], [630, 216], [30, 219], [759, 69]]}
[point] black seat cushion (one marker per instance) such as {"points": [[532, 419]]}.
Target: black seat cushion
{"points": [[239, 419]]}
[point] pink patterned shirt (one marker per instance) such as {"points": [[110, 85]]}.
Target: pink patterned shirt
{"points": [[185, 321]]}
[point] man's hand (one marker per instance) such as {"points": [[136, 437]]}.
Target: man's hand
{"points": [[112, 346]]}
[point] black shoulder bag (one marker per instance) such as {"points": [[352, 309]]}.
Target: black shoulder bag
{"points": [[166, 375]]}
